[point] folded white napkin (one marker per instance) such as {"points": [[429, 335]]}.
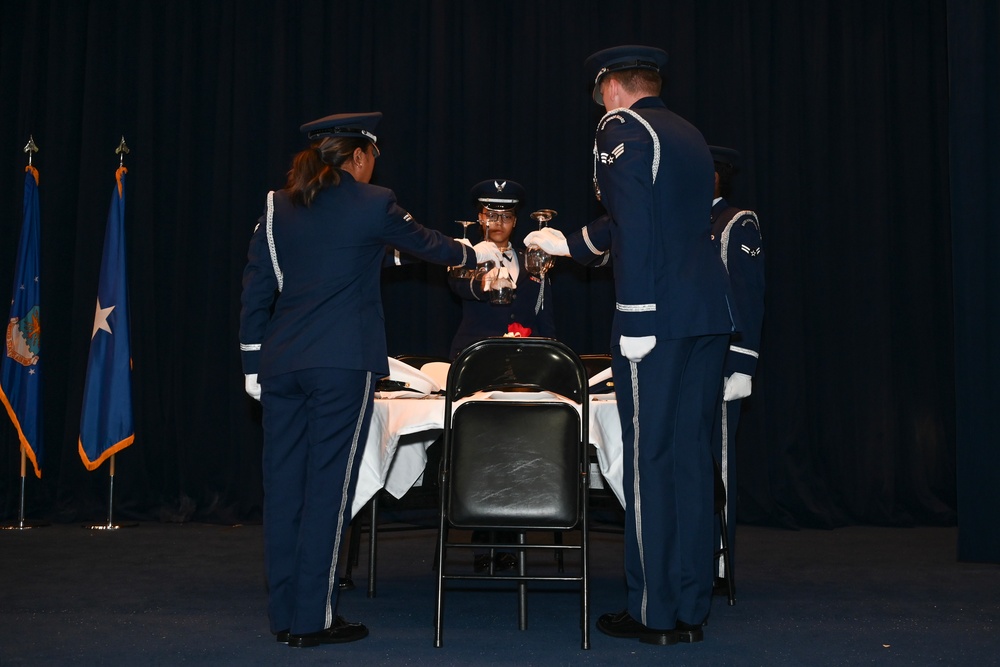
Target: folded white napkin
{"points": [[437, 371], [600, 377], [602, 382]]}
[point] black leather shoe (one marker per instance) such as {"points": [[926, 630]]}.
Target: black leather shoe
{"points": [[339, 633], [689, 633], [281, 636], [481, 563], [505, 561], [622, 625]]}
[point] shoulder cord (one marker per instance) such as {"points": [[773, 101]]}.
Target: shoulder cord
{"points": [[540, 303], [725, 234], [270, 241]]}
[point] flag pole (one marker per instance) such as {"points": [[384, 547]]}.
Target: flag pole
{"points": [[30, 148], [111, 525], [21, 523]]}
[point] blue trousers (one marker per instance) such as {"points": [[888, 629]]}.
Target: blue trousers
{"points": [[667, 404], [315, 425]]}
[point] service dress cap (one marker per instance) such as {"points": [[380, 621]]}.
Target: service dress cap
{"points": [[617, 58], [498, 194], [344, 125], [725, 155]]}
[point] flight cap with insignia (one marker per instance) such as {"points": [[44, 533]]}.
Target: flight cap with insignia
{"points": [[725, 156], [498, 194], [345, 125], [617, 58]]}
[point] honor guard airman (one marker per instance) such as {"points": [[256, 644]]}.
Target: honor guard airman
{"points": [[673, 318], [736, 236]]}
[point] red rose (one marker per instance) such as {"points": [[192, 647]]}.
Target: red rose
{"points": [[517, 331]]}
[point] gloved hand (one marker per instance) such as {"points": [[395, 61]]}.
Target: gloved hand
{"points": [[487, 251], [550, 240], [252, 386], [488, 277], [737, 386], [634, 348]]}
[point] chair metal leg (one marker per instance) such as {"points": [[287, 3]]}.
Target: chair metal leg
{"points": [[727, 563], [353, 550], [522, 585], [585, 560], [373, 544], [439, 606], [560, 560]]}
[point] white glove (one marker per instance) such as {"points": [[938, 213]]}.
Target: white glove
{"points": [[550, 240], [487, 251], [634, 348], [737, 387], [252, 386], [489, 277]]}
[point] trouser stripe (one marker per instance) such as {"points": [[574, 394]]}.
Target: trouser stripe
{"points": [[344, 499]]}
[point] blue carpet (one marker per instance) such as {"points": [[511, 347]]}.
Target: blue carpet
{"points": [[193, 594]]}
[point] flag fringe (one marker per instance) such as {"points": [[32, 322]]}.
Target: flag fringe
{"points": [[29, 451], [106, 454], [118, 178]]}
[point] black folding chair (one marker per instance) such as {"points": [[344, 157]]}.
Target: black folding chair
{"points": [[515, 464]]}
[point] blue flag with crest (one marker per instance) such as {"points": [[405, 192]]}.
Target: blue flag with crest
{"points": [[21, 377], [106, 421]]}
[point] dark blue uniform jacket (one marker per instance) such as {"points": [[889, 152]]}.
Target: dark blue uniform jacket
{"points": [[669, 279], [339, 244], [481, 319], [736, 235]]}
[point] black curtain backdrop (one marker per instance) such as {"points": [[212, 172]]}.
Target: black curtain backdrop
{"points": [[841, 112], [973, 30]]}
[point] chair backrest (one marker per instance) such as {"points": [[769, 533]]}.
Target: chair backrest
{"points": [[534, 364], [516, 464]]}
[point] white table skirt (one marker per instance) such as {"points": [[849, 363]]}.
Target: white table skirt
{"points": [[396, 468]]}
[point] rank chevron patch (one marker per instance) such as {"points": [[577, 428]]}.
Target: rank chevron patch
{"points": [[609, 158]]}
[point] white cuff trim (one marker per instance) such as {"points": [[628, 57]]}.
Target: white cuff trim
{"points": [[635, 307]]}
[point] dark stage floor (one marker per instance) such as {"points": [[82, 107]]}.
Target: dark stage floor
{"points": [[193, 594]]}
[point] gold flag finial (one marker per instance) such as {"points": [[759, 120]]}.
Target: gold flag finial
{"points": [[30, 147], [121, 151]]}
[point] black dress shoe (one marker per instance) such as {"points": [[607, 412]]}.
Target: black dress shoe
{"points": [[481, 563], [281, 636], [339, 633], [622, 625], [689, 633], [505, 561]]}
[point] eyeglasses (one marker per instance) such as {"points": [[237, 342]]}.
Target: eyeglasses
{"points": [[506, 218]]}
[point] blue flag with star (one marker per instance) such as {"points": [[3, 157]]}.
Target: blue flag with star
{"points": [[106, 421], [20, 377]]}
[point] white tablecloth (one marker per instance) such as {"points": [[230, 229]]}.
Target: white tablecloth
{"points": [[396, 467]]}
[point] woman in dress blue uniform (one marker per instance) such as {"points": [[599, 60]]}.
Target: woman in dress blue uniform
{"points": [[312, 338], [653, 173], [498, 202]]}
